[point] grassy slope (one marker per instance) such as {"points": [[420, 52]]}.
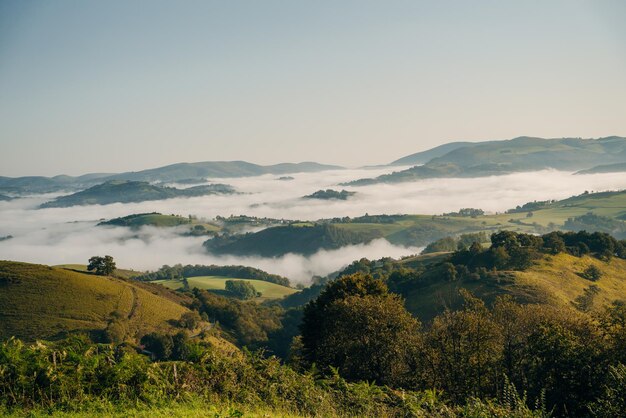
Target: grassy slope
{"points": [[160, 220], [610, 204], [216, 283], [41, 302], [123, 273], [553, 280]]}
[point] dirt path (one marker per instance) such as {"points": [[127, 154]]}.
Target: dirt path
{"points": [[133, 309]]}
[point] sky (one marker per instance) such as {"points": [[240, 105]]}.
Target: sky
{"points": [[112, 86]]}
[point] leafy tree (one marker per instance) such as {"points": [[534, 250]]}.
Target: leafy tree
{"points": [[160, 345], [103, 266], [249, 322], [241, 289], [463, 351], [369, 338], [356, 326], [554, 242], [189, 320]]}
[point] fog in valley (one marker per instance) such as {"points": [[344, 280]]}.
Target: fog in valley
{"points": [[70, 235]]}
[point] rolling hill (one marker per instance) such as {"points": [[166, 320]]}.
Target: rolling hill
{"points": [[553, 280], [608, 214], [425, 156], [269, 291], [122, 191], [41, 302], [510, 156], [180, 172], [606, 168], [295, 238]]}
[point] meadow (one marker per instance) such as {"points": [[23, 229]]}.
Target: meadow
{"points": [[269, 291]]}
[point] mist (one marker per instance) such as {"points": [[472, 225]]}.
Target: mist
{"points": [[69, 235]]}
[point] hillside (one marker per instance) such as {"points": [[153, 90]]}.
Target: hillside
{"points": [[602, 212], [121, 191], [119, 272], [295, 238], [553, 280], [181, 172], [194, 226], [268, 290], [607, 168], [514, 155], [41, 302], [425, 156]]}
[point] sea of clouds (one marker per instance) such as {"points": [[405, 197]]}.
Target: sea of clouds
{"points": [[70, 235]]}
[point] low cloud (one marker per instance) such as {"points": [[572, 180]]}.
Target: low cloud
{"points": [[69, 235]]}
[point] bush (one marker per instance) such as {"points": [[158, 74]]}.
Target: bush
{"points": [[592, 273]]}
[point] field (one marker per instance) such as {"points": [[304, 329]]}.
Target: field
{"points": [[268, 290], [41, 302]]}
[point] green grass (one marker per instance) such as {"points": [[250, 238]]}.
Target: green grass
{"points": [[553, 280], [422, 229], [41, 302], [269, 291], [194, 409], [123, 273]]}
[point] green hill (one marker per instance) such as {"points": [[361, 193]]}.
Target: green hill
{"points": [[330, 194], [606, 168], [296, 238], [269, 291], [122, 191], [119, 273], [425, 156], [181, 172], [41, 302], [513, 155], [553, 280], [195, 227]]}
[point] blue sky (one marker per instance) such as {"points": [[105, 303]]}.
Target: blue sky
{"points": [[90, 86]]}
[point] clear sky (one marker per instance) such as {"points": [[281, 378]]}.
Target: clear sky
{"points": [[107, 86]]}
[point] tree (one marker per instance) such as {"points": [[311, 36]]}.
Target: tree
{"points": [[241, 289], [160, 345], [463, 350], [103, 266], [189, 320], [356, 326]]}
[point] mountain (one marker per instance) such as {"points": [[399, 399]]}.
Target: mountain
{"points": [[185, 172], [513, 155], [41, 302], [296, 238], [607, 168], [122, 191], [425, 156]]}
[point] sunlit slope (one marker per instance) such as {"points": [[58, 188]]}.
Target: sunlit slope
{"points": [[553, 280], [268, 290], [41, 302], [124, 273]]}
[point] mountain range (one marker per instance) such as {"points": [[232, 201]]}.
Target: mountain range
{"points": [[185, 172], [507, 156]]}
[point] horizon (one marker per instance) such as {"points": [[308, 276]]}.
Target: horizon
{"points": [[339, 166], [117, 87]]}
